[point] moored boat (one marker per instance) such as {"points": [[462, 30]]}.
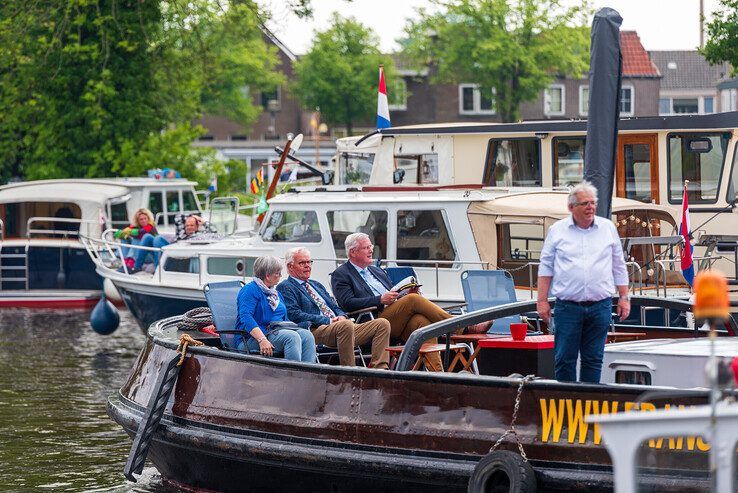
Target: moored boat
{"points": [[243, 422]]}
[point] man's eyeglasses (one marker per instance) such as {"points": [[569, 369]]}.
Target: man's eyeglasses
{"points": [[305, 262], [586, 203]]}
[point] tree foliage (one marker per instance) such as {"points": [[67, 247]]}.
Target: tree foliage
{"points": [[339, 74], [106, 87], [512, 48], [722, 35]]}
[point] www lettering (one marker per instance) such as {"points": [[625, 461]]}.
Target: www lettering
{"points": [[565, 420]]}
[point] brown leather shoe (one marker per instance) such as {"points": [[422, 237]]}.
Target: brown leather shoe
{"points": [[480, 328]]}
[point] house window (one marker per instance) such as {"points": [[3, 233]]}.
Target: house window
{"points": [[664, 106], [275, 96], [554, 100], [513, 162], [397, 97], [473, 102], [626, 101], [709, 104], [685, 106], [583, 100]]}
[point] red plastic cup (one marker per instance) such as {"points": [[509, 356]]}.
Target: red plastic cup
{"points": [[518, 331]]}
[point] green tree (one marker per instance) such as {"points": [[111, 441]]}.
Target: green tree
{"points": [[339, 74], [722, 35], [105, 87], [512, 49]]}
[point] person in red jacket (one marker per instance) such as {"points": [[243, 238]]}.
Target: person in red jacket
{"points": [[141, 232]]}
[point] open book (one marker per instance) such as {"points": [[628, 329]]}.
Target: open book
{"points": [[407, 286]]}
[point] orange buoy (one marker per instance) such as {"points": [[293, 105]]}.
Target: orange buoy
{"points": [[711, 296]]}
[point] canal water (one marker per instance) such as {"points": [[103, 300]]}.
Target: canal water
{"points": [[55, 377]]}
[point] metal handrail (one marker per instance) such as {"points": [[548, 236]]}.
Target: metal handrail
{"points": [[62, 232], [663, 268]]}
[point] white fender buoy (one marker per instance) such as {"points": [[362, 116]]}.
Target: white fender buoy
{"points": [[111, 292]]}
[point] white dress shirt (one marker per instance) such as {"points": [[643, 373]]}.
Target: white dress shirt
{"points": [[586, 264]]}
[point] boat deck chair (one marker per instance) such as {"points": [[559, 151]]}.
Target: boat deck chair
{"points": [[488, 288], [221, 298], [397, 274]]}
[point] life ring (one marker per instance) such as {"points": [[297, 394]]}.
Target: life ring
{"points": [[502, 471]]}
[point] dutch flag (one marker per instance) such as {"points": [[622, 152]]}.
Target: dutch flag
{"points": [[383, 116], [684, 231]]}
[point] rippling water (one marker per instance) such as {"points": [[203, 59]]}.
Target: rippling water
{"points": [[55, 377]]}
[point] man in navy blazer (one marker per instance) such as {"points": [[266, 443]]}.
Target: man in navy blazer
{"points": [[358, 284], [310, 306]]}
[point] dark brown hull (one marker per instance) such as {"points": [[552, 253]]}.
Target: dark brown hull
{"points": [[238, 422]]}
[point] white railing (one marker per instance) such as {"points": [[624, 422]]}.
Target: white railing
{"points": [[60, 232]]}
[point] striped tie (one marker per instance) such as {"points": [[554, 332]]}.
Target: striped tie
{"points": [[321, 304]]}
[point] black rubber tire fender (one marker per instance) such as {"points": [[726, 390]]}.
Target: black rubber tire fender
{"points": [[520, 473]]}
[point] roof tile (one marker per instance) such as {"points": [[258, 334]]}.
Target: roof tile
{"points": [[636, 61]]}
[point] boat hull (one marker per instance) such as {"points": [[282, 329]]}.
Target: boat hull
{"points": [[236, 420], [147, 308], [40, 298]]}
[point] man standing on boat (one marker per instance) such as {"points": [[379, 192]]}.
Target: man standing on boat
{"points": [[582, 263], [310, 306]]}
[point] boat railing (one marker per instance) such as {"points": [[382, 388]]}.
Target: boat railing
{"points": [[447, 327], [64, 233], [667, 265], [114, 250]]}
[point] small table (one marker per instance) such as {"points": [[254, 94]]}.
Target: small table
{"points": [[624, 336], [532, 355], [473, 339]]}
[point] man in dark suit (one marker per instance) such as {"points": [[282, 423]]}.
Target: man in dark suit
{"points": [[358, 284], [310, 306]]}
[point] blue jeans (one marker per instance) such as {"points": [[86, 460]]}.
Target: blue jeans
{"points": [[297, 345], [580, 331], [140, 255]]}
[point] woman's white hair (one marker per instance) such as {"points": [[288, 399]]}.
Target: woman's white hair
{"points": [[289, 257], [353, 240], [585, 187], [263, 266]]}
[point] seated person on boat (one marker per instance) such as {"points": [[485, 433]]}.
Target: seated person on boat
{"points": [[310, 306], [141, 232], [186, 227], [260, 311], [358, 284]]}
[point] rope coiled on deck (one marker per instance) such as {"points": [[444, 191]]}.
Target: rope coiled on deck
{"points": [[196, 319]]}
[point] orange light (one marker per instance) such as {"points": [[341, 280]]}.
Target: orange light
{"points": [[711, 295]]}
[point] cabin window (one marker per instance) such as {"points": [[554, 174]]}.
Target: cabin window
{"points": [[173, 205], [355, 167], [698, 158], [184, 265], [633, 377], [733, 190], [522, 242], [343, 223], [568, 165], [419, 168], [423, 235], [42, 215], [189, 202], [119, 215], [156, 205], [513, 162], [292, 226], [231, 266]]}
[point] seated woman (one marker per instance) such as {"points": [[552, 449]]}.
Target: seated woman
{"points": [[141, 232], [259, 306]]}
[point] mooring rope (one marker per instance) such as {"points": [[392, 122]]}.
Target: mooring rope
{"points": [[196, 319], [184, 341]]}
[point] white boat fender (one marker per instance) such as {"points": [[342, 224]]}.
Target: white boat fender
{"points": [[111, 292]]}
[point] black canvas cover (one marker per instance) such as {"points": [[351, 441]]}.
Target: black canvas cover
{"points": [[605, 70]]}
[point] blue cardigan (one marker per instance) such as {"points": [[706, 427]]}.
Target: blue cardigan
{"points": [[253, 310]]}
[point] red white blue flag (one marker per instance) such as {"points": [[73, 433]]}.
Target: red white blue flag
{"points": [[383, 116], [684, 231]]}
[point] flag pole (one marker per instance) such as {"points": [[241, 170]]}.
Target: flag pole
{"points": [[277, 172]]}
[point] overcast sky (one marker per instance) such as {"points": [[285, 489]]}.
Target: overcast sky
{"points": [[661, 24]]}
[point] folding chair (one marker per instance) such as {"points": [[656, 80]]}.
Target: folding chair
{"points": [[397, 274], [489, 288], [221, 298]]}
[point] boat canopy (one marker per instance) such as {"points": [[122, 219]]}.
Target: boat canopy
{"points": [[61, 191]]}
